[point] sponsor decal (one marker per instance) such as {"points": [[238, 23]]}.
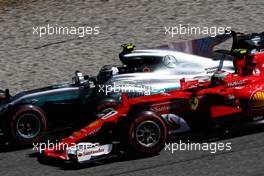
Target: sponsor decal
{"points": [[94, 131], [194, 102], [166, 106], [93, 123], [257, 118], [257, 100], [90, 152], [231, 97], [160, 107], [98, 150], [236, 83], [210, 70]]}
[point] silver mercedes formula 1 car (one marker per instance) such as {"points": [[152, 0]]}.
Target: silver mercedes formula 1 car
{"points": [[161, 68], [25, 116]]}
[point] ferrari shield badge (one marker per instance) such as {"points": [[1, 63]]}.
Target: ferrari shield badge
{"points": [[194, 102]]}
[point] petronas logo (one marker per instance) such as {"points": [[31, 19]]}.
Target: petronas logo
{"points": [[257, 100]]}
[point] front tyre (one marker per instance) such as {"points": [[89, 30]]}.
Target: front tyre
{"points": [[147, 134], [26, 124]]}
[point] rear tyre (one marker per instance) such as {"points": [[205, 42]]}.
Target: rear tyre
{"points": [[146, 134], [26, 124]]}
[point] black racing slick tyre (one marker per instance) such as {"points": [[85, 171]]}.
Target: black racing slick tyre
{"points": [[146, 134], [25, 125]]}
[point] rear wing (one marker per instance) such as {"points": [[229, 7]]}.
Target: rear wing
{"points": [[201, 47], [204, 46]]}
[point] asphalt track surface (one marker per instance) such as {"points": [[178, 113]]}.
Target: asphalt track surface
{"points": [[28, 61], [245, 158]]}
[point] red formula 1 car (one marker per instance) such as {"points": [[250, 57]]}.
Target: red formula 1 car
{"points": [[141, 125]]}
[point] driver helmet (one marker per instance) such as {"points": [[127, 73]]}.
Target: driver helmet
{"points": [[218, 78], [243, 61], [127, 47]]}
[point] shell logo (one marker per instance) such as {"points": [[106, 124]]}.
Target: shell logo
{"points": [[257, 100]]}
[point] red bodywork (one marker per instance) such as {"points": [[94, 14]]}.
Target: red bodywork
{"points": [[236, 95]]}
